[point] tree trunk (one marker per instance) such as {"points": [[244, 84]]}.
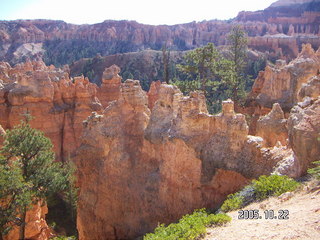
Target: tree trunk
{"points": [[165, 59], [23, 223]]}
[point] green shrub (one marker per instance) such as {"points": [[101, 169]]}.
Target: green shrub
{"points": [[189, 226], [273, 185], [233, 202], [64, 238], [265, 186], [316, 170]]}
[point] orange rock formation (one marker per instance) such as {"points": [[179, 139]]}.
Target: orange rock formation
{"points": [[282, 83], [138, 168], [36, 226], [304, 132], [57, 103], [273, 127], [296, 87], [110, 87]]}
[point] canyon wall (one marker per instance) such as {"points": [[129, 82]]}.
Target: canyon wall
{"points": [[145, 158], [280, 30], [57, 103]]}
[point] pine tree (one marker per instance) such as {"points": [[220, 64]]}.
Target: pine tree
{"points": [[165, 60], [29, 173], [218, 76], [201, 65], [236, 81]]}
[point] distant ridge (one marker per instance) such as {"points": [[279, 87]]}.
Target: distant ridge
{"points": [[286, 3]]}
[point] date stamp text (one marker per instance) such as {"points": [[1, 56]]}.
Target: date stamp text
{"points": [[266, 214]]}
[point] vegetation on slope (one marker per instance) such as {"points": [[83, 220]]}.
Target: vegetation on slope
{"points": [[316, 170], [145, 66], [189, 226], [193, 226], [264, 187], [61, 52]]}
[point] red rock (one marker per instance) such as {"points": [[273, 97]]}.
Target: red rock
{"points": [[58, 104], [281, 84], [272, 127], [304, 131], [136, 170], [153, 93], [110, 87], [36, 226]]}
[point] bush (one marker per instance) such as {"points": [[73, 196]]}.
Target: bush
{"points": [[265, 186], [189, 226], [64, 238], [233, 202], [316, 170], [273, 185]]}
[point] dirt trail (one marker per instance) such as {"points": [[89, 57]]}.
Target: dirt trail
{"points": [[303, 222]]}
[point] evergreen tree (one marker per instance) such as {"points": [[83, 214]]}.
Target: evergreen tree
{"points": [[165, 60], [235, 78], [201, 65], [218, 76], [13, 194], [29, 173]]}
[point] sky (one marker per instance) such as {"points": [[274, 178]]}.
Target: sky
{"points": [[143, 11]]}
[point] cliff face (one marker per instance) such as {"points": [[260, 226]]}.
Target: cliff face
{"points": [[279, 29], [296, 88], [286, 83], [57, 103], [304, 132], [138, 168]]}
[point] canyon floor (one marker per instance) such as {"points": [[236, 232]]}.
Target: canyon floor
{"points": [[303, 222]]}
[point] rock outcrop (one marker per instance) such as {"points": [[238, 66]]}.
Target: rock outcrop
{"points": [[304, 132], [295, 88], [36, 226], [282, 83], [153, 94], [137, 168], [286, 84], [110, 85], [57, 103], [272, 127]]}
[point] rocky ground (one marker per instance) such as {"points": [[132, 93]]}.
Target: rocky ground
{"points": [[303, 222]]}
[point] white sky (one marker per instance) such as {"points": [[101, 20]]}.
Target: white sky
{"points": [[143, 11]]}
